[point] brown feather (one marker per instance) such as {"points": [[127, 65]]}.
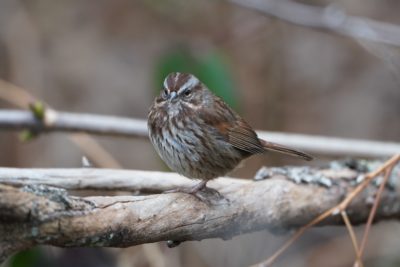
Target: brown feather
{"points": [[233, 128], [243, 137], [285, 150]]}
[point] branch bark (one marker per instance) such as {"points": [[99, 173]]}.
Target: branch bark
{"points": [[33, 211], [117, 126]]}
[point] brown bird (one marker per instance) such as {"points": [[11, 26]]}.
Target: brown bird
{"points": [[198, 135]]}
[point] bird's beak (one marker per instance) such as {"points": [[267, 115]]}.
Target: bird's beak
{"points": [[172, 96]]}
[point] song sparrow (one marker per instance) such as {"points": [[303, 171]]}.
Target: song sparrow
{"points": [[198, 135]]}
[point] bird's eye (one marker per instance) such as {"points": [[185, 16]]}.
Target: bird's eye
{"points": [[187, 92], [165, 94]]}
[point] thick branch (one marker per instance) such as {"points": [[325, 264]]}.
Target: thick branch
{"points": [[104, 179], [117, 126], [39, 214], [327, 18]]}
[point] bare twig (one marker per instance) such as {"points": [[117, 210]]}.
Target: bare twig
{"points": [[373, 210], [352, 237], [22, 98], [329, 18], [332, 145], [334, 210], [73, 122], [117, 126]]}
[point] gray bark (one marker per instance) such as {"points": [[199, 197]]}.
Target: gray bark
{"points": [[33, 211]]}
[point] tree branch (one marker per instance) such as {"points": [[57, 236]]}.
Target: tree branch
{"points": [[117, 126], [105, 179], [328, 18], [73, 122], [32, 213]]}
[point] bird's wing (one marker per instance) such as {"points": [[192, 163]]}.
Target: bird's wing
{"points": [[233, 129], [243, 137]]}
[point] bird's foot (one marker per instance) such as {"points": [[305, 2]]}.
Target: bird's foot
{"points": [[200, 191], [189, 190]]}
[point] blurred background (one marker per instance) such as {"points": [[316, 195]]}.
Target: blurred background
{"points": [[110, 57]]}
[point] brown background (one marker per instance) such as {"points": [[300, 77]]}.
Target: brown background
{"points": [[99, 57]]}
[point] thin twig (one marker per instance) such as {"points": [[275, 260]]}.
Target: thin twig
{"points": [[21, 98], [334, 210], [352, 237], [117, 126], [368, 178], [374, 209], [73, 122], [296, 236], [109, 125]]}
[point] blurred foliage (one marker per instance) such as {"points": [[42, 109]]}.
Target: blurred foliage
{"points": [[212, 69], [27, 135], [27, 258], [38, 109]]}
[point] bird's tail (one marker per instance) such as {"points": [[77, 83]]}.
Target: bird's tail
{"points": [[285, 150]]}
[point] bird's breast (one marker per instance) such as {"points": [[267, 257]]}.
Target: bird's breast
{"points": [[192, 150]]}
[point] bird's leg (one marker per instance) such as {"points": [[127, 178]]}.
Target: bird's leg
{"points": [[200, 191], [198, 187], [191, 190]]}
